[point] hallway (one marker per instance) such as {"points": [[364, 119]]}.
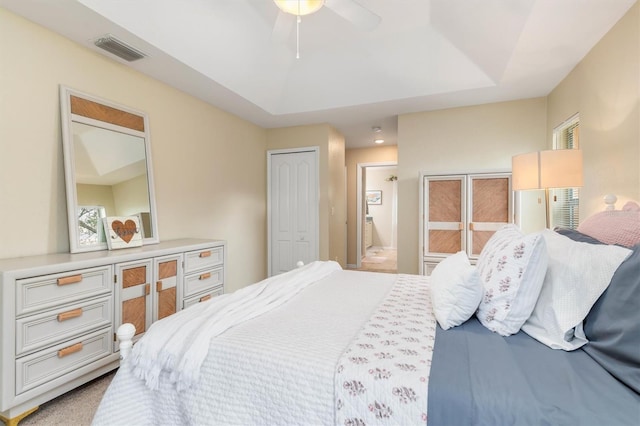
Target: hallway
{"points": [[378, 259]]}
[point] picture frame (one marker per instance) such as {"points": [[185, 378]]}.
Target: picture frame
{"points": [[122, 232], [374, 197]]}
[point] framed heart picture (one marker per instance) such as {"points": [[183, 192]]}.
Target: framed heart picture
{"points": [[122, 232]]}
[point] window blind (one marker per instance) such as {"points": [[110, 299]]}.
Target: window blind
{"points": [[565, 203]]}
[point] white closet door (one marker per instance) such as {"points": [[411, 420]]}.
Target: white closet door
{"points": [[293, 209]]}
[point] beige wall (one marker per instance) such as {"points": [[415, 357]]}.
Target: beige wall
{"points": [[604, 89], [209, 166], [475, 138], [96, 195], [331, 146], [354, 157], [131, 196], [337, 199]]}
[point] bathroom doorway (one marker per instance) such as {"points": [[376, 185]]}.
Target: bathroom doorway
{"points": [[377, 217]]}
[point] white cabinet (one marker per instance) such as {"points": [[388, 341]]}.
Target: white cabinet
{"points": [[146, 291], [460, 212], [368, 233], [59, 312]]}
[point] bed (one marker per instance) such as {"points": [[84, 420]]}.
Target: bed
{"points": [[322, 345]]}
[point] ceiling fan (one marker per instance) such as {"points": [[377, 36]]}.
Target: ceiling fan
{"points": [[350, 10]]}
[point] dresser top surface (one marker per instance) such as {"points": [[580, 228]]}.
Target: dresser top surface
{"points": [[95, 258]]}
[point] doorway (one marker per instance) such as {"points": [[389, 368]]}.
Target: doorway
{"points": [[292, 208], [377, 217]]}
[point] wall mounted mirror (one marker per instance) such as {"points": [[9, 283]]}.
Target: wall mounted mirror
{"points": [[108, 170]]}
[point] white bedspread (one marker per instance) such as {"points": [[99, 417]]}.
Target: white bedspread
{"points": [[277, 369], [177, 345]]}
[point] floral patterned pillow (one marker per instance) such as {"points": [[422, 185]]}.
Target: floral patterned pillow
{"points": [[512, 267]]}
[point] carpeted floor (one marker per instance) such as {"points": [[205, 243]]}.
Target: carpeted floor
{"points": [[74, 408], [380, 260]]}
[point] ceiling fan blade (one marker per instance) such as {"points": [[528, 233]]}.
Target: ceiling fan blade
{"points": [[282, 27], [354, 12]]}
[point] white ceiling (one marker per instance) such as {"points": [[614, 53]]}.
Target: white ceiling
{"points": [[240, 55]]}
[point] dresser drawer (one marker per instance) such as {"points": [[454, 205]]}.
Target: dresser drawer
{"points": [[41, 367], [201, 259], [48, 328], [202, 297], [203, 281], [48, 291]]}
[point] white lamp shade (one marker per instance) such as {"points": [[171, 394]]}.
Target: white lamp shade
{"points": [[525, 171], [558, 168], [299, 7], [561, 168]]}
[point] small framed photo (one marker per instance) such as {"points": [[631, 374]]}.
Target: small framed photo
{"points": [[374, 197], [122, 232]]}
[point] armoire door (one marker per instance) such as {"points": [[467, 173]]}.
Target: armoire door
{"points": [[293, 209], [490, 208], [445, 211]]}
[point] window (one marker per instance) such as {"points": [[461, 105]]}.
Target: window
{"points": [[90, 226], [565, 202]]}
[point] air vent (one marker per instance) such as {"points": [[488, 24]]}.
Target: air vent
{"points": [[119, 48]]}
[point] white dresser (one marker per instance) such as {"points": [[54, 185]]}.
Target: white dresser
{"points": [[60, 311]]}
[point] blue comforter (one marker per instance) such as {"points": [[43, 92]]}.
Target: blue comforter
{"points": [[481, 378]]}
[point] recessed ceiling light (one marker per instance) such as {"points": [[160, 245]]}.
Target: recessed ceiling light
{"points": [[378, 141], [376, 129]]}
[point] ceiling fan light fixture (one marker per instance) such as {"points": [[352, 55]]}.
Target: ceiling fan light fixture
{"points": [[299, 7]]}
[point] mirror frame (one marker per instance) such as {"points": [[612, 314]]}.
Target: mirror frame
{"points": [[121, 119]]}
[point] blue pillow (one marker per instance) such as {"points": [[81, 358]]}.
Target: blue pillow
{"points": [[577, 236], [613, 324]]}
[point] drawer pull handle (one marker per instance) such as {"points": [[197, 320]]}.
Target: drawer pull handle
{"points": [[147, 289], [69, 314], [471, 227], [70, 280], [205, 298], [460, 226], [205, 276], [205, 254], [158, 286], [70, 350]]}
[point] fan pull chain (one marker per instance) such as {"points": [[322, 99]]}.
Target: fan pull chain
{"points": [[298, 37]]}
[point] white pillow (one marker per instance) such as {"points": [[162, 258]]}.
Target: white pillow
{"points": [[512, 266], [455, 290], [578, 274]]}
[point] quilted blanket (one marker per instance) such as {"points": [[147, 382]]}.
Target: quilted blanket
{"points": [[276, 369], [179, 344]]}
